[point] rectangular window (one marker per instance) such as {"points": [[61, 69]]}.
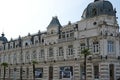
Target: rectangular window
{"points": [[27, 57], [50, 52], [70, 50], [71, 33], [82, 45], [95, 47], [110, 46], [82, 73], [27, 72], [63, 34], [66, 72], [96, 72], [38, 72], [41, 55], [111, 71], [34, 55], [60, 51]]}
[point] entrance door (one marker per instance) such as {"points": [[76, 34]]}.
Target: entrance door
{"points": [[111, 70], [51, 73]]}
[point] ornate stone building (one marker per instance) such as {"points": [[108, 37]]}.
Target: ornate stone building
{"points": [[58, 50]]}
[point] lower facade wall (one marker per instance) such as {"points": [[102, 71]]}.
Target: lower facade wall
{"points": [[67, 70]]}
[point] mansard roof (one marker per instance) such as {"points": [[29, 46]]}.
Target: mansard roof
{"points": [[54, 22]]}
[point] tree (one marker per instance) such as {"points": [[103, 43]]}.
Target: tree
{"points": [[33, 63], [4, 64], [85, 52]]}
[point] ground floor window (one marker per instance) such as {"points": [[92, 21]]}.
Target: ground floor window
{"points": [[38, 72], [82, 73], [66, 72], [96, 72]]}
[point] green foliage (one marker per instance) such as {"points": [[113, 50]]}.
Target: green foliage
{"points": [[4, 64], [85, 52], [34, 62]]}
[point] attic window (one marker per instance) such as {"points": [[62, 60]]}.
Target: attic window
{"points": [[94, 12], [52, 31]]}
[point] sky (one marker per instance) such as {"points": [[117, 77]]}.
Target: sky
{"points": [[20, 17]]}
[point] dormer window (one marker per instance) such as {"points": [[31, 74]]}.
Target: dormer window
{"points": [[52, 31], [94, 12]]}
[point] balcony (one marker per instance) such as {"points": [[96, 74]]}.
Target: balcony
{"points": [[66, 39]]}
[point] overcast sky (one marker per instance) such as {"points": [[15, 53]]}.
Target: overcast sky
{"points": [[20, 17]]}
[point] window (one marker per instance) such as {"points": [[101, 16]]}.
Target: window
{"points": [[26, 44], [52, 31], [50, 52], [36, 41], [111, 71], [94, 12], [41, 54], [38, 72], [27, 57], [110, 46], [34, 55], [70, 50], [71, 33], [82, 73], [63, 34], [15, 58], [60, 53], [27, 72], [95, 46], [96, 72], [66, 72], [67, 34], [82, 45]]}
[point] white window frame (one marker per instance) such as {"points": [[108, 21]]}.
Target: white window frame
{"points": [[95, 47], [110, 46], [61, 52]]}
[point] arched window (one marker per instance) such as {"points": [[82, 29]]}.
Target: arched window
{"points": [[94, 12]]}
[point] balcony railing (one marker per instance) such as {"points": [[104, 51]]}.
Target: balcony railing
{"points": [[66, 39]]}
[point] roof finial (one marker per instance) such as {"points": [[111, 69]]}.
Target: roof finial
{"points": [[2, 34]]}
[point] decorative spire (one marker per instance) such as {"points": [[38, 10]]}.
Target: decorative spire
{"points": [[3, 34]]}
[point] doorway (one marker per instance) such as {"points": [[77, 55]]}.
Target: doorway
{"points": [[111, 70], [51, 73]]}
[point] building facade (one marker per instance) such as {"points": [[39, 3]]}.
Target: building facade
{"points": [[57, 51]]}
